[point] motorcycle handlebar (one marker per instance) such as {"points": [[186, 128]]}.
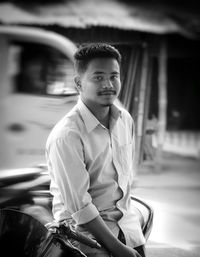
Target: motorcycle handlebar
{"points": [[66, 230]]}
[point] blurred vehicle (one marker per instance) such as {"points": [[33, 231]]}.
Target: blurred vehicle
{"points": [[26, 190], [36, 90]]}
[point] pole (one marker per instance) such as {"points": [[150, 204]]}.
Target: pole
{"points": [[162, 101], [141, 105]]}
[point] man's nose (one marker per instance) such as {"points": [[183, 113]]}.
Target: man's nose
{"points": [[107, 84]]}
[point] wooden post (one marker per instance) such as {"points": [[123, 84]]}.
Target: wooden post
{"points": [[141, 105], [134, 67], [146, 109], [3, 94], [162, 101]]}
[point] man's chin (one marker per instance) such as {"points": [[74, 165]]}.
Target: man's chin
{"points": [[107, 105]]}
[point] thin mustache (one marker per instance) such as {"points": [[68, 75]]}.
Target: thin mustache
{"points": [[105, 92]]}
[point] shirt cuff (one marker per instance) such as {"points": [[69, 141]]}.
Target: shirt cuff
{"points": [[85, 214]]}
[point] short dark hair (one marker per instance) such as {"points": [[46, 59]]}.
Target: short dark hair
{"points": [[88, 52]]}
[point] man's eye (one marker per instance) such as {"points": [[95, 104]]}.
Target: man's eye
{"points": [[114, 77], [98, 78]]}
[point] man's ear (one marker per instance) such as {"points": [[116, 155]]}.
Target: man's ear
{"points": [[78, 82]]}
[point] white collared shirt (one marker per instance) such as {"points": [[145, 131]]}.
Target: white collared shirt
{"points": [[91, 169]]}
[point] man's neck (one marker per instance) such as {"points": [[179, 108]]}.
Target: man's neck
{"points": [[102, 113], [104, 118]]}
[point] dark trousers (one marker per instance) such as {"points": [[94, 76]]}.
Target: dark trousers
{"points": [[140, 249]]}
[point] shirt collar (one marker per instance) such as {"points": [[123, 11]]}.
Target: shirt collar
{"points": [[91, 122]]}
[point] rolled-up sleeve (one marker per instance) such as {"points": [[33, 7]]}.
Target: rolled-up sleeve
{"points": [[86, 214], [69, 177]]}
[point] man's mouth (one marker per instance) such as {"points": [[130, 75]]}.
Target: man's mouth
{"points": [[107, 92]]}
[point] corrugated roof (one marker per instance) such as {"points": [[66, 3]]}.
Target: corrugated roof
{"points": [[87, 13]]}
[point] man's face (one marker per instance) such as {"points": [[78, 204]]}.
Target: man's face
{"points": [[100, 83]]}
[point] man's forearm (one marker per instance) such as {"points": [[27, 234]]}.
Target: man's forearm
{"points": [[105, 237], [102, 233]]}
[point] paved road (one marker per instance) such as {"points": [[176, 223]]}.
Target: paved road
{"points": [[174, 193]]}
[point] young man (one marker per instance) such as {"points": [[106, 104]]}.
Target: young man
{"points": [[90, 156]]}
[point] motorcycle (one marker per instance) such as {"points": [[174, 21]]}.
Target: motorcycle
{"points": [[27, 227]]}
